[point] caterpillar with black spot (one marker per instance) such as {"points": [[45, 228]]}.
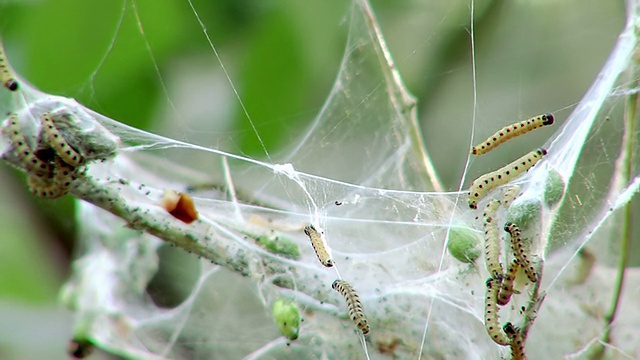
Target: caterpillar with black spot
{"points": [[512, 131], [6, 76], [485, 183], [323, 252], [492, 240], [509, 195], [59, 144], [519, 251], [353, 303], [517, 341], [58, 185], [491, 318], [23, 151], [506, 288]]}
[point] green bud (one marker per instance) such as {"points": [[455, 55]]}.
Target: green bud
{"points": [[286, 315], [525, 213], [554, 187], [464, 245], [279, 245]]}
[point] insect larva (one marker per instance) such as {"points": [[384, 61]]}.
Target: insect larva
{"points": [[22, 150], [5, 73], [517, 341], [353, 303], [488, 182], [58, 185], [511, 131], [319, 245], [63, 174], [491, 318], [519, 251], [509, 329], [506, 288], [47, 190], [509, 195], [60, 145], [492, 240]]}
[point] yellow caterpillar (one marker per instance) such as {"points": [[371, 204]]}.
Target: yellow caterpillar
{"points": [[492, 240], [5, 73], [509, 195], [519, 251], [512, 131], [58, 185], [490, 181], [517, 341], [23, 151], [353, 303], [59, 144], [491, 317], [506, 288], [319, 245]]}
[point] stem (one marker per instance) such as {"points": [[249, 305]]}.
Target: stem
{"points": [[404, 102], [531, 312]]}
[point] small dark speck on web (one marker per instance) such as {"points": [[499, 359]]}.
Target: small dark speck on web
{"points": [[338, 203]]}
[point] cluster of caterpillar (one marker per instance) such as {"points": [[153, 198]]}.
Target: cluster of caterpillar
{"points": [[51, 173], [49, 177], [323, 252], [481, 186], [500, 286]]}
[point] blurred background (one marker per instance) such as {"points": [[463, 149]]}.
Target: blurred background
{"points": [[148, 64]]}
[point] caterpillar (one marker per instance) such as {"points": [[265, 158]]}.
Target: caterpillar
{"points": [[5, 73], [509, 195], [492, 240], [519, 251], [488, 182], [512, 131], [58, 185], [491, 318], [323, 252], [22, 150], [517, 341], [506, 288], [59, 144], [353, 303]]}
